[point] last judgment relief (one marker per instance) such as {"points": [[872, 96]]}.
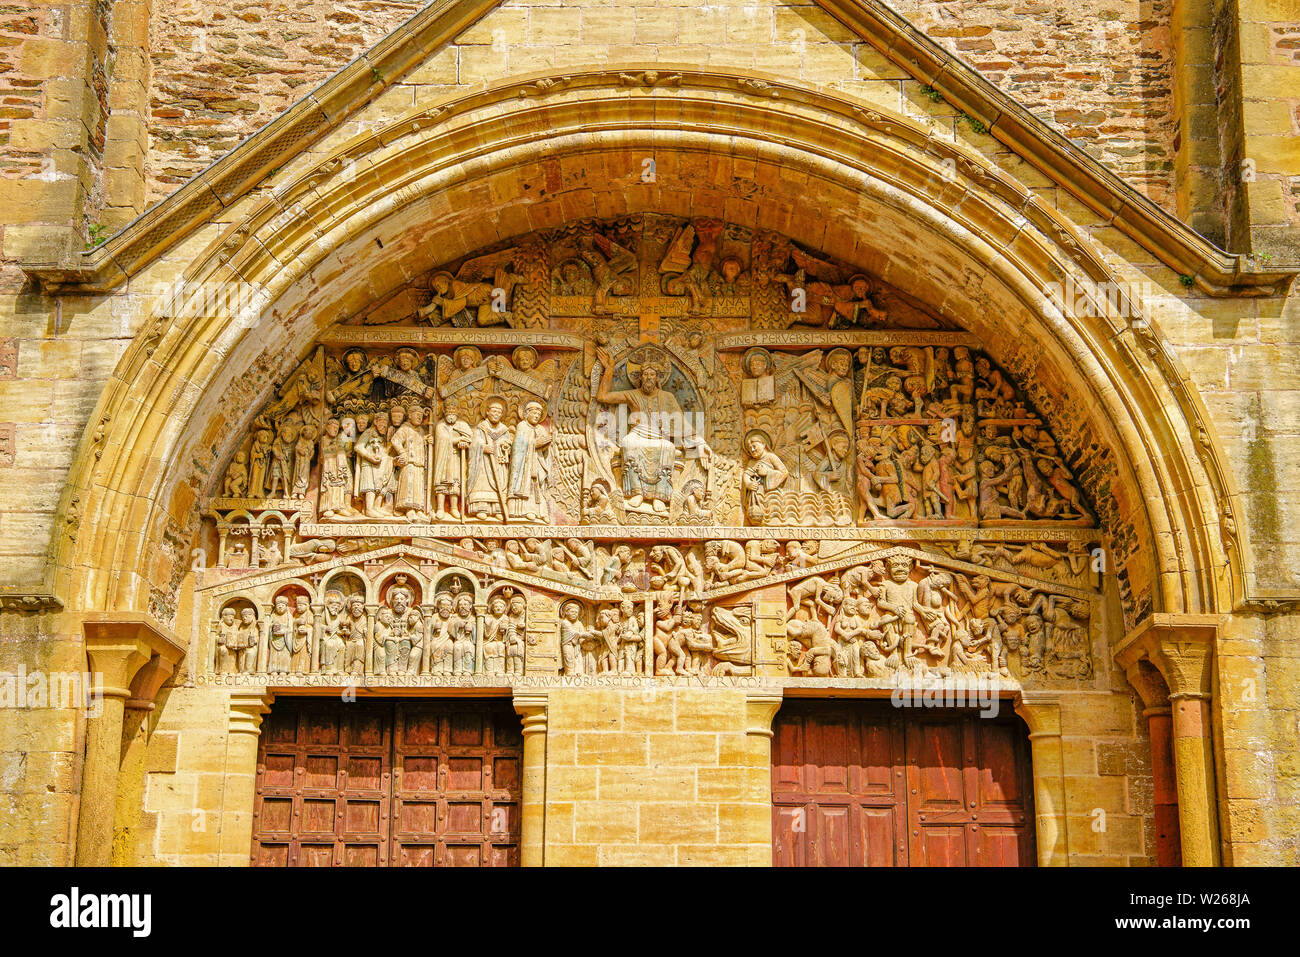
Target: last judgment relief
{"points": [[648, 447]]}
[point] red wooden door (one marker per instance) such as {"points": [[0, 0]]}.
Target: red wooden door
{"points": [[374, 783], [456, 786], [862, 783], [837, 787], [969, 787], [322, 785]]}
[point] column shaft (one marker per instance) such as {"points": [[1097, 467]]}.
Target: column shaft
{"points": [[1194, 772]]}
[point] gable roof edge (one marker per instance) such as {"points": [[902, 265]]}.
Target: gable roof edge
{"points": [[1176, 244]]}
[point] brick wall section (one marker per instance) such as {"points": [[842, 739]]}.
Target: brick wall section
{"points": [[221, 71], [656, 778], [1100, 71], [22, 96]]}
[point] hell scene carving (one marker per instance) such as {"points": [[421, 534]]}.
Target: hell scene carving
{"points": [[648, 447]]}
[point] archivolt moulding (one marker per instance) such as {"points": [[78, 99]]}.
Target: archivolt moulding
{"points": [[887, 162]]}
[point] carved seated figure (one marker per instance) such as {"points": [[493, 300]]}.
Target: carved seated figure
{"points": [[650, 452], [227, 641], [236, 485], [333, 621]]}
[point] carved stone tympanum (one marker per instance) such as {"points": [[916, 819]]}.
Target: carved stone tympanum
{"points": [[642, 448]]}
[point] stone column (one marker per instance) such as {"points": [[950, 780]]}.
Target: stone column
{"points": [[371, 612], [760, 708], [240, 787], [1188, 670], [135, 742], [1042, 712], [532, 825], [118, 646], [1143, 676], [1181, 647]]}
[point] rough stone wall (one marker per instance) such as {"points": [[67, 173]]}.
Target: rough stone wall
{"points": [[223, 70], [22, 94], [1257, 720], [1100, 71]]}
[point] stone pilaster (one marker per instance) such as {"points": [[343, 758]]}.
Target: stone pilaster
{"points": [[118, 648], [242, 732], [1181, 647], [532, 826], [760, 709], [1151, 688], [135, 742], [1042, 712]]}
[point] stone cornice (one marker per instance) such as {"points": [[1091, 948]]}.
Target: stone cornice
{"points": [[29, 602], [231, 177]]}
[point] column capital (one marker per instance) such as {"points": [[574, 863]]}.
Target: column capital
{"points": [[531, 707], [148, 680], [1181, 647], [119, 645], [246, 711], [761, 707], [1041, 710]]}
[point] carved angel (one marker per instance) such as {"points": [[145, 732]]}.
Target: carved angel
{"points": [[610, 265], [478, 294], [830, 301]]}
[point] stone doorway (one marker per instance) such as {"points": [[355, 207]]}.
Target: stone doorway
{"points": [[388, 782]]}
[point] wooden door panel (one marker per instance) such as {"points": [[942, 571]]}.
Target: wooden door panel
{"points": [[874, 760], [1004, 846], [829, 832], [414, 783], [941, 846], [865, 784], [877, 837], [828, 746], [788, 846], [1001, 783], [787, 765], [936, 766]]}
